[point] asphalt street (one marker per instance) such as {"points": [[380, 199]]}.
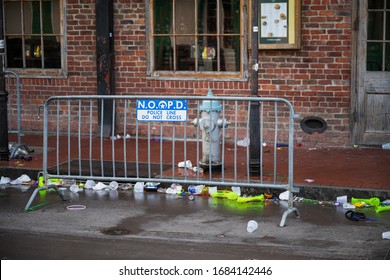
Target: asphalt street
{"points": [[122, 224]]}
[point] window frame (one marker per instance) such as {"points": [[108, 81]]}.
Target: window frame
{"points": [[241, 75], [41, 72]]}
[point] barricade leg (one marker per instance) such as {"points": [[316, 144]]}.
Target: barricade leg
{"points": [[286, 213], [34, 194]]}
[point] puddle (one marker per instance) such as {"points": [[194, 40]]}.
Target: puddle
{"points": [[116, 231]]}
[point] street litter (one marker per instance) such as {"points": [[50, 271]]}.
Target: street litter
{"points": [[347, 205], [19, 151], [284, 195], [357, 216], [89, 184], [74, 188], [150, 186], [32, 208], [258, 198], [386, 146], [139, 187], [4, 180], [197, 190], [185, 164], [117, 137], [342, 199], [244, 142], [309, 180], [198, 169], [225, 194], [251, 226], [174, 189], [237, 190], [21, 180], [212, 190], [76, 207], [386, 202], [374, 201], [386, 235], [381, 208]]}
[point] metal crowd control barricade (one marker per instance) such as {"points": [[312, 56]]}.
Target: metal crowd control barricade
{"points": [[151, 135], [9, 75]]}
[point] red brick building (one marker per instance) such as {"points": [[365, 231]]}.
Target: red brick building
{"points": [[339, 71]]}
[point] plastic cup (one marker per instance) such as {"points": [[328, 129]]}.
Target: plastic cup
{"points": [[252, 226], [386, 235]]}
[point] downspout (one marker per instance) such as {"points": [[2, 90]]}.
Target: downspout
{"points": [[105, 62], [4, 150], [254, 118]]}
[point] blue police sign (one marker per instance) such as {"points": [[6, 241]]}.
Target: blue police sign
{"points": [[162, 110]]}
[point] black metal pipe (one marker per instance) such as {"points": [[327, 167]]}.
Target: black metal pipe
{"points": [[254, 146], [4, 150]]}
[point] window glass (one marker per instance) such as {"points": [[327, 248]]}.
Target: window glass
{"points": [[374, 56], [376, 4], [375, 26], [388, 25], [33, 34], [387, 57], [199, 36]]}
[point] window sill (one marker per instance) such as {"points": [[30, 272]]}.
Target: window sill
{"points": [[192, 76]]}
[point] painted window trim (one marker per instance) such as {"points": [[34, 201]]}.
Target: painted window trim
{"points": [[241, 75], [47, 72]]}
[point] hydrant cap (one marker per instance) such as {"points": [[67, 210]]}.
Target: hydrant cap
{"points": [[210, 105]]}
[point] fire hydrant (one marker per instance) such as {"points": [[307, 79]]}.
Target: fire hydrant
{"points": [[210, 125]]}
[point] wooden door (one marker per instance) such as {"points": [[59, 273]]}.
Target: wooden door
{"points": [[372, 105]]}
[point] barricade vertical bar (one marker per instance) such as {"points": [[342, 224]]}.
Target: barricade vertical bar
{"points": [[248, 146], [161, 148], [113, 139], [223, 141], [235, 138], [101, 136], [125, 138], [58, 137], [276, 140], [79, 138], [197, 137], [90, 137], [149, 172], [136, 148], [261, 140], [210, 140], [45, 140], [69, 123], [173, 149], [185, 148]]}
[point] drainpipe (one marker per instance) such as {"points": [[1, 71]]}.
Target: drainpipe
{"points": [[4, 150], [254, 118], [105, 63]]}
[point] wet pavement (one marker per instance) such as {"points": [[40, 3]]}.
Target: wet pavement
{"points": [[123, 224], [126, 225]]}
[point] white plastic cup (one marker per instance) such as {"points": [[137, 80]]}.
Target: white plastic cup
{"points": [[74, 188], [386, 235], [386, 146], [342, 199], [252, 226]]}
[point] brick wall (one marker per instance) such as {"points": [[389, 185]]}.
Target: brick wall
{"points": [[316, 79]]}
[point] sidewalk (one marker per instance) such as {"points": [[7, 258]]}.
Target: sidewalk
{"points": [[320, 172]]}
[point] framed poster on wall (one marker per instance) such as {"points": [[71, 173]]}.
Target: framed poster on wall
{"points": [[279, 24]]}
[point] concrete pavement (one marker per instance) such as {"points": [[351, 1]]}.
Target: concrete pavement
{"points": [[126, 225]]}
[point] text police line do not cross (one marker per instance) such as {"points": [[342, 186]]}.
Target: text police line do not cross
{"points": [[162, 110]]}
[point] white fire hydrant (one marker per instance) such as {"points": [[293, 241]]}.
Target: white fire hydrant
{"points": [[210, 125]]}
